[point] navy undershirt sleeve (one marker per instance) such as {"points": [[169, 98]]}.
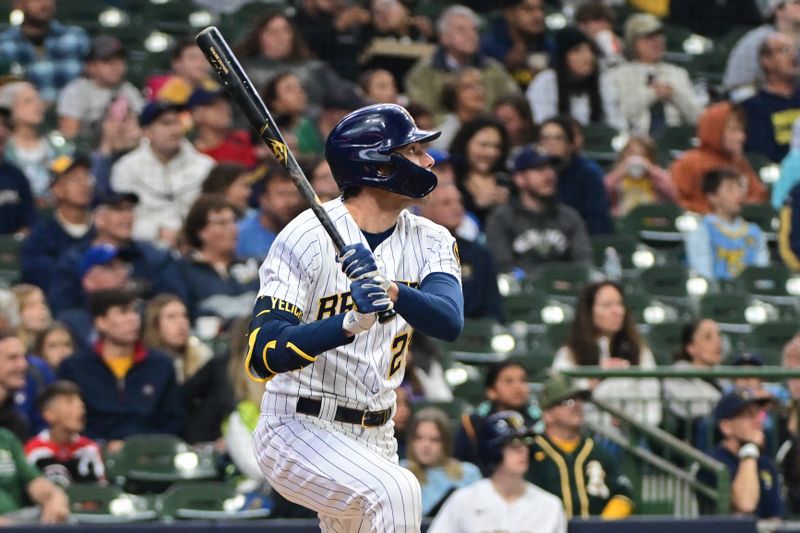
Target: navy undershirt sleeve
{"points": [[435, 309]]}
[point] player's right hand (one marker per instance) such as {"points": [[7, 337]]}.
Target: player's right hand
{"points": [[357, 261], [370, 295]]}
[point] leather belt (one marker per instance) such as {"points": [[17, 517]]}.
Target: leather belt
{"points": [[366, 419]]}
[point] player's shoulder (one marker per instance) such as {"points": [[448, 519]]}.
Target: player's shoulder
{"points": [[306, 226], [425, 226]]}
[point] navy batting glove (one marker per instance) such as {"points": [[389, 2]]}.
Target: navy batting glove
{"points": [[370, 296], [357, 261]]}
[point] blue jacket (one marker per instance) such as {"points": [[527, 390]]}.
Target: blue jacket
{"points": [[206, 292], [39, 376], [580, 186], [17, 210], [479, 281], [789, 232], [151, 270], [43, 247], [146, 400]]}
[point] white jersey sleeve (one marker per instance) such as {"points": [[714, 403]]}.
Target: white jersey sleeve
{"points": [[440, 251]]}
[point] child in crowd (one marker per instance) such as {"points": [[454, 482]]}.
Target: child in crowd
{"points": [[54, 344], [60, 451]]}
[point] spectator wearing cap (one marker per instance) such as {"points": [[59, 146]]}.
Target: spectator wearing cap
{"points": [[771, 112], [152, 268], [217, 281], [190, 71], [84, 100], [574, 85], [651, 93], [534, 227], [279, 202], [288, 102], [743, 71], [458, 48], [27, 148], [518, 39], [17, 206], [70, 223], [48, 53], [568, 463], [275, 45], [755, 482], [212, 118], [100, 268], [580, 180], [166, 172], [127, 387], [478, 271]]}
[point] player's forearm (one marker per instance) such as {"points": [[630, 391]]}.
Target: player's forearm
{"points": [[435, 309], [279, 343]]}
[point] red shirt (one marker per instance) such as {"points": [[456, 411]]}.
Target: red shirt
{"points": [[236, 148], [79, 460]]}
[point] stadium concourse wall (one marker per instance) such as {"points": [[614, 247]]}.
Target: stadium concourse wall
{"points": [[631, 525]]}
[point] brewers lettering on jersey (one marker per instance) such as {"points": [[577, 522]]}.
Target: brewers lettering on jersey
{"points": [[325, 439]]}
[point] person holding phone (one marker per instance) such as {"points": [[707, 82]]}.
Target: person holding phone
{"points": [[637, 179]]}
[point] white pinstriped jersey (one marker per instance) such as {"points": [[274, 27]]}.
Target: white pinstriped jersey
{"points": [[301, 269]]}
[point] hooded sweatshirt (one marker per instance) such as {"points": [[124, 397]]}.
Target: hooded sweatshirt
{"points": [[687, 171]]}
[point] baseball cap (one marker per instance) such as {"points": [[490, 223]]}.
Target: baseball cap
{"points": [[102, 254], [557, 389], [531, 158], [64, 163], [747, 359], [640, 25], [736, 401], [155, 109], [115, 199], [106, 47], [202, 96]]}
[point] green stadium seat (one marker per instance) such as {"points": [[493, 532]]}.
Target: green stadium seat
{"points": [[770, 283], [653, 224], [624, 244], [562, 281], [205, 500], [95, 503], [668, 283], [728, 309], [153, 462], [598, 143], [482, 341], [764, 216], [664, 340], [648, 310], [769, 339], [674, 140], [525, 306], [472, 391], [9, 259]]}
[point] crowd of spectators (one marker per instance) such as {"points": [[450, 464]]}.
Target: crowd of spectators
{"points": [[143, 209]]}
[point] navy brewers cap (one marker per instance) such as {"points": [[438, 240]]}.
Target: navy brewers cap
{"points": [[736, 401], [747, 359], [64, 163], [155, 109], [102, 254], [202, 96], [115, 199], [530, 158]]}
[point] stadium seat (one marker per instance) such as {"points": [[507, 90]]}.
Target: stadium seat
{"points": [[764, 216], [562, 281], [482, 341], [525, 306], [472, 391], [664, 340], [653, 224], [205, 500], [153, 462], [648, 310], [9, 259], [674, 140], [769, 339], [624, 244], [668, 283], [598, 143], [95, 503], [728, 309]]}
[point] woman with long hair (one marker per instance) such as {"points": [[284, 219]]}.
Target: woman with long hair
{"points": [[515, 113], [430, 459], [288, 102], [464, 98], [478, 153], [54, 344], [274, 45], [573, 85], [604, 333], [34, 314]]}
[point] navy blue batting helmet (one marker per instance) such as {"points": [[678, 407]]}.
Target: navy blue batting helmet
{"points": [[497, 430], [361, 151]]}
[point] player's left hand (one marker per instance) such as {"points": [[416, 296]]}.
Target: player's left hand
{"points": [[358, 261], [370, 294]]}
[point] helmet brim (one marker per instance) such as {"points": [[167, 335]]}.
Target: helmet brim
{"points": [[416, 136]]}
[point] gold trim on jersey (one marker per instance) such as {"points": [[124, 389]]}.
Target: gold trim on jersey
{"points": [[300, 352], [251, 342], [566, 493], [403, 339], [282, 305], [579, 482]]}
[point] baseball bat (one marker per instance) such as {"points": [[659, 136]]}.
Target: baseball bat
{"points": [[241, 90]]}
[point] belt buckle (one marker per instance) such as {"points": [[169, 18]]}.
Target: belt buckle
{"points": [[364, 419]]}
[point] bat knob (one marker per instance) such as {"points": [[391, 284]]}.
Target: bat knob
{"points": [[386, 316]]}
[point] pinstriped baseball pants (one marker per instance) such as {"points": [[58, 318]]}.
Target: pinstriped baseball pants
{"points": [[349, 475]]}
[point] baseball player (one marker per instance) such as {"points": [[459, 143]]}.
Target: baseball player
{"points": [[325, 438], [504, 501]]}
